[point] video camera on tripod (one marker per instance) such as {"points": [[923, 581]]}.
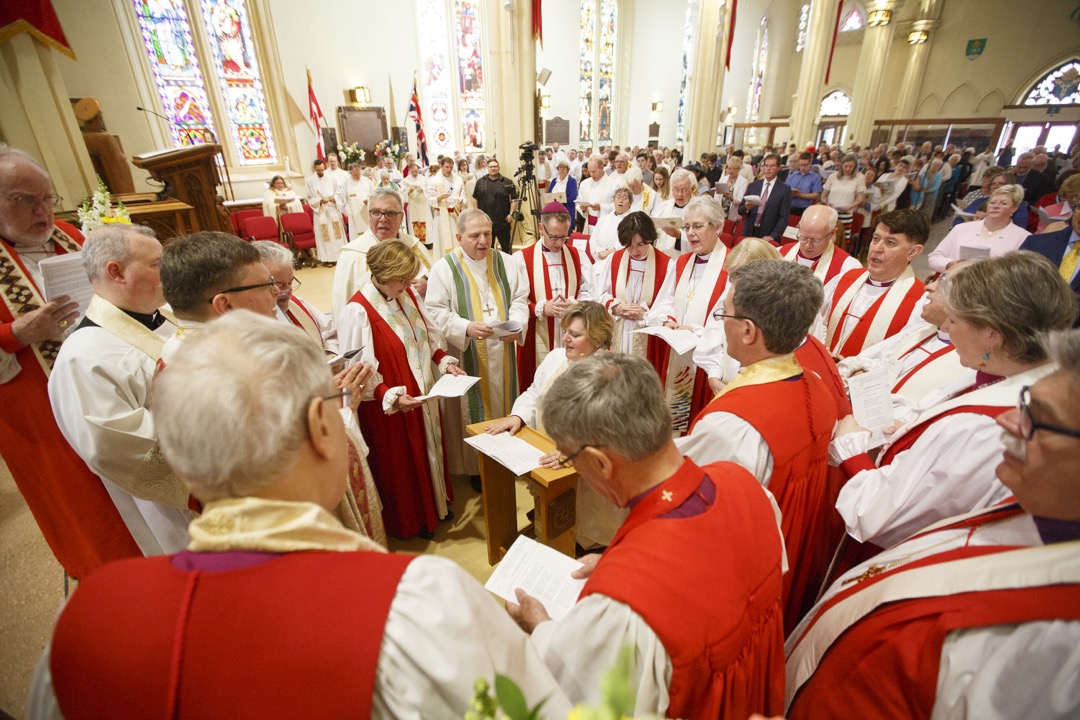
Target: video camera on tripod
{"points": [[527, 187]]}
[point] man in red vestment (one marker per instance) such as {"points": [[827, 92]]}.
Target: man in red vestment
{"points": [[977, 616], [275, 609], [816, 248], [68, 501], [863, 307], [704, 626], [556, 282], [775, 419]]}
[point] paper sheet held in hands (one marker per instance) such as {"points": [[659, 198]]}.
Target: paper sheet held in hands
{"points": [[675, 223], [752, 199], [510, 327], [542, 572], [513, 453], [970, 252], [65, 275], [870, 402], [962, 212], [450, 386], [681, 341]]}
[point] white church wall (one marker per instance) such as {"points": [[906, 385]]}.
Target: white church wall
{"points": [[559, 54], [656, 70]]}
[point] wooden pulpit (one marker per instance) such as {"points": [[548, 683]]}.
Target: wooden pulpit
{"points": [[191, 176]]}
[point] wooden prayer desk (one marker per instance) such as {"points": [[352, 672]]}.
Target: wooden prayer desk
{"points": [[554, 494]]}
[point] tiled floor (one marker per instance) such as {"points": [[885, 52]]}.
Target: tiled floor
{"points": [[32, 583]]}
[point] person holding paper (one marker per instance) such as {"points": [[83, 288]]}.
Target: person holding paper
{"points": [[863, 307], [386, 210], [391, 323], [690, 294], [604, 240], [705, 627], [940, 464], [279, 198], [557, 279], [564, 182], [775, 418], [767, 202], [642, 196], [994, 235], [683, 189], [445, 194], [318, 621], [472, 289], [976, 617], [356, 189], [100, 385], [70, 505], [816, 247], [736, 187], [595, 195]]}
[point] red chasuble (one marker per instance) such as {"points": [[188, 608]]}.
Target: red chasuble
{"points": [[68, 501], [813, 355], [796, 419], [295, 637], [399, 460], [709, 587], [526, 357]]}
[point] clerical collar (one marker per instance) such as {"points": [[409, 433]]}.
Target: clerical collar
{"points": [[702, 259], [799, 253], [1055, 531], [151, 322], [885, 284], [944, 337]]}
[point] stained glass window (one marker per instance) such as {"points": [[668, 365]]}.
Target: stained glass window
{"points": [[853, 21], [687, 59], [836, 103], [804, 23], [599, 24], [166, 35], [470, 72], [229, 31], [1060, 86], [757, 73]]}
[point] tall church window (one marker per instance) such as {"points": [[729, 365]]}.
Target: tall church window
{"points": [[599, 25], [198, 104], [757, 72], [687, 59], [836, 103], [1060, 86], [804, 25]]}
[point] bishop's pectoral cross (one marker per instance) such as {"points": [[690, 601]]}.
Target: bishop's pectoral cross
{"points": [[870, 572]]}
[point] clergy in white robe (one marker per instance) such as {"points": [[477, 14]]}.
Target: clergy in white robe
{"points": [[675, 242], [324, 195], [356, 189], [334, 169], [642, 196], [279, 199], [595, 195], [604, 239], [816, 248], [470, 292], [417, 212], [100, 386], [445, 195], [631, 286]]}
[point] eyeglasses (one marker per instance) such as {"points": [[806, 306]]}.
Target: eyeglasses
{"points": [[718, 315], [1028, 426], [345, 396], [31, 202], [558, 238], [388, 214], [568, 461], [812, 241], [282, 287], [697, 227], [268, 284]]}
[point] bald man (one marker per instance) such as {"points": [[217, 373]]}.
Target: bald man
{"points": [[816, 248]]}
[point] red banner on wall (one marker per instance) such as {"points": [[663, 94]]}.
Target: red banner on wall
{"points": [[36, 18]]}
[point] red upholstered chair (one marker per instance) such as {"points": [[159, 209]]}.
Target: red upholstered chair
{"points": [[310, 212], [260, 228], [299, 234], [580, 242], [793, 220], [728, 239], [729, 226], [239, 216], [1050, 198]]}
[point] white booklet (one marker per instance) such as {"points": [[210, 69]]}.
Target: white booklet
{"points": [[542, 572], [681, 341], [752, 199], [65, 275], [510, 327], [870, 402], [513, 453], [559, 197], [450, 386], [970, 252]]}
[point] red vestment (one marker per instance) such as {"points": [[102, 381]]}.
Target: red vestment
{"points": [[855, 343], [796, 419], [709, 587], [297, 636], [71, 506], [526, 357], [399, 460], [839, 255]]}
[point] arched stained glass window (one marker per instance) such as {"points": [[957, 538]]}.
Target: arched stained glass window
{"points": [[757, 73], [1060, 86], [599, 29], [836, 103], [188, 97]]}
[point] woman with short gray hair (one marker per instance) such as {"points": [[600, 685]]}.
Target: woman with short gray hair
{"points": [[994, 235]]}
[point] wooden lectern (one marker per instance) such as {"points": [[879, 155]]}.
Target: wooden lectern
{"points": [[190, 176]]}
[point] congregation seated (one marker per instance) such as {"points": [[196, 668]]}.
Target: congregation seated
{"points": [[993, 235], [279, 198], [1062, 248]]}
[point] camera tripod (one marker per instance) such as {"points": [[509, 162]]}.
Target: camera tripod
{"points": [[528, 192]]}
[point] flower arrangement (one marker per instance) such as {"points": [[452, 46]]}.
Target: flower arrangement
{"points": [[385, 148], [97, 210], [349, 154]]}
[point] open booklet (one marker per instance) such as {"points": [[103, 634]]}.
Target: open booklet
{"points": [[681, 341], [65, 275], [449, 386], [513, 453], [542, 572], [870, 402]]}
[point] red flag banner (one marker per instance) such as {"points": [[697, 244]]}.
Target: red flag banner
{"points": [[317, 117], [731, 34], [538, 21], [414, 113], [36, 18], [832, 48]]}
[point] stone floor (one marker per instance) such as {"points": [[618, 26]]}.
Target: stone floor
{"points": [[32, 584]]}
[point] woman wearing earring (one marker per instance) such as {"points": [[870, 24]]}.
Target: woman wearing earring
{"points": [[941, 463]]}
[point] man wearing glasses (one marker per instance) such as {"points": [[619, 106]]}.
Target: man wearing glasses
{"points": [[387, 212], [976, 616], [100, 386], [290, 307], [69, 503], [816, 249]]}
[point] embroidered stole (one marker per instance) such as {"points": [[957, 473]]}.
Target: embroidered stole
{"points": [[20, 294], [620, 274], [121, 325], [880, 319], [302, 318], [475, 358], [412, 330], [823, 268], [538, 274], [447, 215]]}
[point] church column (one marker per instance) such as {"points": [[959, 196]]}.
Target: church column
{"points": [[706, 81], [804, 111], [36, 116], [511, 79], [908, 97], [877, 40]]}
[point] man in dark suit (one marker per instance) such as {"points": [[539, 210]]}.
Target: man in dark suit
{"points": [[767, 221], [1063, 249], [1035, 183]]}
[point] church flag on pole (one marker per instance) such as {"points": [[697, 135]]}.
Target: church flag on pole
{"points": [[731, 34], [538, 21], [317, 117], [414, 113], [832, 47]]}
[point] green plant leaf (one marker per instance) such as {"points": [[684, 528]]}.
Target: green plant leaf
{"points": [[511, 699]]}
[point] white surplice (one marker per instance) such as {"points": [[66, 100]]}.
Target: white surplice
{"points": [[329, 228], [356, 194], [442, 231]]}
